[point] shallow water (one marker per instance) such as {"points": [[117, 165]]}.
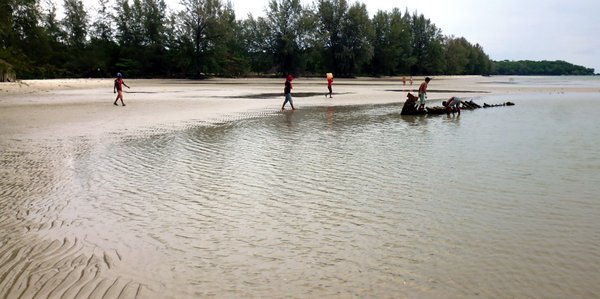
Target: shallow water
{"points": [[319, 202]]}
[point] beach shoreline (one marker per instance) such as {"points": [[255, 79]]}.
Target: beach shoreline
{"points": [[83, 107]]}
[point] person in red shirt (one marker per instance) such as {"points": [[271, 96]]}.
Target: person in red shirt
{"points": [[118, 87], [329, 84]]}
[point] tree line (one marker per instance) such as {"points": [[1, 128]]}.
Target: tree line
{"points": [[147, 39], [540, 68]]}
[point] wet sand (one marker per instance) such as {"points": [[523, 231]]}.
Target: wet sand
{"points": [[83, 107], [44, 252]]}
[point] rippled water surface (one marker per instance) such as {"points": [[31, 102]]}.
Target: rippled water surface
{"points": [[319, 202]]}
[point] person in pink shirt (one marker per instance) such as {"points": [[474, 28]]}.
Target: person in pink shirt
{"points": [[118, 87]]}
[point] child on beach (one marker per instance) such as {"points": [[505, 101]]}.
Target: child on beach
{"points": [[423, 93], [287, 90], [118, 87], [329, 84]]}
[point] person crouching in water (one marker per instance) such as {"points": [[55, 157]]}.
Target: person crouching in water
{"points": [[287, 90], [452, 105], [118, 87]]}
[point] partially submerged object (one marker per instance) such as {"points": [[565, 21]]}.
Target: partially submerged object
{"points": [[411, 106]]}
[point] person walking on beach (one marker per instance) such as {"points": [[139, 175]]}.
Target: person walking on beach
{"points": [[423, 93], [287, 90], [118, 87], [329, 84], [452, 105]]}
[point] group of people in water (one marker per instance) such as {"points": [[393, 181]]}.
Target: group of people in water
{"points": [[452, 105]]}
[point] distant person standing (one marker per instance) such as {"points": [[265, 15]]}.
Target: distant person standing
{"points": [[118, 87], [411, 81], [423, 93], [287, 90], [329, 84]]}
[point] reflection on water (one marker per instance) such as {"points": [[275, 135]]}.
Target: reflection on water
{"points": [[319, 202]]}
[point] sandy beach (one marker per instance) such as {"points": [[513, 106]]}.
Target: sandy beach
{"points": [[83, 107], [96, 202]]}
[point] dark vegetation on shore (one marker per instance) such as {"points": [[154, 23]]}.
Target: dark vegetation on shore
{"points": [[147, 39], [544, 68]]}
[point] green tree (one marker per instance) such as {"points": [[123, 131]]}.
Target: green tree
{"points": [[284, 24], [153, 19], [204, 38], [199, 34], [254, 36], [123, 14], [479, 62], [103, 23], [332, 14], [427, 45], [458, 52], [544, 68], [152, 54], [391, 43], [52, 64], [75, 23], [357, 33], [102, 49], [25, 43]]}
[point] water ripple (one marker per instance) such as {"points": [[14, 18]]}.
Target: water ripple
{"points": [[319, 202]]}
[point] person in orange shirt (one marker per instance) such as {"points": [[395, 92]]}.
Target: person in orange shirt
{"points": [[329, 84]]}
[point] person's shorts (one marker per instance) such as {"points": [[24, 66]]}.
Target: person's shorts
{"points": [[422, 98], [120, 92], [288, 98], [455, 102]]}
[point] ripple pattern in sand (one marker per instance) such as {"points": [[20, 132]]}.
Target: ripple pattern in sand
{"points": [[321, 202], [39, 257]]}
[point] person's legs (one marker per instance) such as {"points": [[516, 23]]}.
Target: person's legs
{"points": [[288, 98], [421, 101], [121, 97], [330, 91]]}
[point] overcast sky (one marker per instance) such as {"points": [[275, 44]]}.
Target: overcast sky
{"points": [[506, 29]]}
